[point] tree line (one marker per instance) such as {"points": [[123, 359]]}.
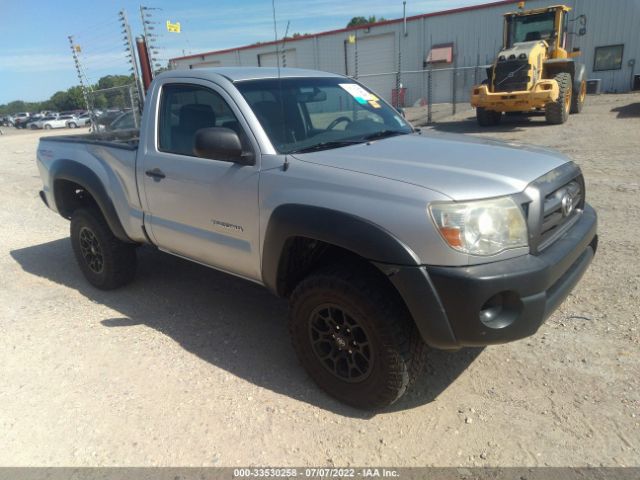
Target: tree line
{"points": [[72, 98]]}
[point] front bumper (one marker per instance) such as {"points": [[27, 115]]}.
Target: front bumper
{"points": [[496, 302], [543, 92]]}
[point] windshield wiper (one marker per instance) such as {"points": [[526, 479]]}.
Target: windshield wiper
{"points": [[326, 146], [383, 134]]}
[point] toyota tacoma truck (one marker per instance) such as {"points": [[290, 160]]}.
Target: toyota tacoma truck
{"points": [[385, 240]]}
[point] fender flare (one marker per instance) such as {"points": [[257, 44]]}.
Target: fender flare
{"points": [[386, 252], [579, 76], [85, 177], [344, 230]]}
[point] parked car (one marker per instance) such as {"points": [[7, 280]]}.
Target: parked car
{"points": [[19, 119], [102, 122], [37, 122], [32, 122], [384, 239], [84, 120], [124, 121], [58, 122], [71, 121], [7, 121]]}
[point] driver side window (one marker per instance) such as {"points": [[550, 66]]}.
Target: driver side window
{"points": [[185, 109]]}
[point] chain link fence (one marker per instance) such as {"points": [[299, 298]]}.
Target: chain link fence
{"points": [[115, 108], [428, 95]]}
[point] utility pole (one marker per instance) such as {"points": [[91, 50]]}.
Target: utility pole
{"points": [[81, 77], [126, 30]]}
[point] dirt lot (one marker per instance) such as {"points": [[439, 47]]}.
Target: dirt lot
{"points": [[188, 366]]}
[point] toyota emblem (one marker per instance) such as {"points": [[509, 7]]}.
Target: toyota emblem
{"points": [[567, 204]]}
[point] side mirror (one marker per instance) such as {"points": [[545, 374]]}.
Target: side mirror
{"points": [[221, 144]]}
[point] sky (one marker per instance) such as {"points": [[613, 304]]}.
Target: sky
{"points": [[36, 60]]}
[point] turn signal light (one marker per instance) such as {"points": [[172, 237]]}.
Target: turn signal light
{"points": [[452, 236]]}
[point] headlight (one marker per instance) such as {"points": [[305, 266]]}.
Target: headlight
{"points": [[483, 227]]}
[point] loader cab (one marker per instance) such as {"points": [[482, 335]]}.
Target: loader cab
{"points": [[548, 24]]}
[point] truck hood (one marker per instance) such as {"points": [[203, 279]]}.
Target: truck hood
{"points": [[458, 166]]}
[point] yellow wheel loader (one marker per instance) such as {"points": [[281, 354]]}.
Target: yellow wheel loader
{"points": [[534, 70]]}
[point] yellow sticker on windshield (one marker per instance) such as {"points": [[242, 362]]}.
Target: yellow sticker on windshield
{"points": [[374, 104]]}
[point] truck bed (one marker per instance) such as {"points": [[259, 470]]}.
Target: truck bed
{"points": [[121, 138]]}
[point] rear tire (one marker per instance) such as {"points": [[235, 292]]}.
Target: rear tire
{"points": [[558, 112], [106, 262], [578, 98], [487, 118], [354, 338]]}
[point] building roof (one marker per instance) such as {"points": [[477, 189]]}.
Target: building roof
{"points": [[358, 27], [236, 74]]}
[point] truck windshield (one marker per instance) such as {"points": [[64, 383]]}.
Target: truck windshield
{"points": [[531, 27], [309, 114]]}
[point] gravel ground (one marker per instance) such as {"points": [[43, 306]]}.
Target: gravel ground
{"points": [[188, 366]]}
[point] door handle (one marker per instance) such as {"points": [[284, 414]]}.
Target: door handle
{"points": [[156, 174]]}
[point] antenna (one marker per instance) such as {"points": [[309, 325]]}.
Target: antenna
{"points": [[285, 167]]}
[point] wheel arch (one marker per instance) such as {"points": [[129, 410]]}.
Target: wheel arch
{"points": [[561, 65], [68, 177], [292, 225], [579, 76]]}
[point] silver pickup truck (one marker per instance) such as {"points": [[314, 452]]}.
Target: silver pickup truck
{"points": [[384, 239]]}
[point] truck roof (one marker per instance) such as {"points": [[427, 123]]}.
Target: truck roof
{"points": [[236, 74]]}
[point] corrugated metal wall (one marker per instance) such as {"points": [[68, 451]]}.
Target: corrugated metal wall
{"points": [[476, 36]]}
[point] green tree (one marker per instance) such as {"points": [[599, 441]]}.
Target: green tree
{"points": [[60, 100], [16, 106], [355, 21], [100, 101], [111, 81], [73, 99]]}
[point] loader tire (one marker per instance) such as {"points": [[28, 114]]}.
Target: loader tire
{"points": [[558, 112], [487, 118], [578, 98]]}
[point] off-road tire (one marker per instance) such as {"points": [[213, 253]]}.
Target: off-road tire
{"points": [[558, 112], [487, 118], [578, 97], [398, 352], [118, 258]]}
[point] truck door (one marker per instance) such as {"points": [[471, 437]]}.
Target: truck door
{"points": [[202, 209]]}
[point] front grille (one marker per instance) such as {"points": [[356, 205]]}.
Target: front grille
{"points": [[558, 213], [555, 202], [511, 75]]}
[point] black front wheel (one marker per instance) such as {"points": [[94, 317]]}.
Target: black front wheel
{"points": [[355, 339], [105, 261]]}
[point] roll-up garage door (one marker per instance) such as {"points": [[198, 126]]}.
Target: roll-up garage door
{"points": [[376, 55]]}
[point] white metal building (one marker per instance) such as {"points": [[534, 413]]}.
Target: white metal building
{"points": [[444, 41]]}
